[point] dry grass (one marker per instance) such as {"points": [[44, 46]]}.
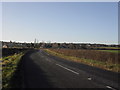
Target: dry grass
{"points": [[90, 54], [105, 60]]}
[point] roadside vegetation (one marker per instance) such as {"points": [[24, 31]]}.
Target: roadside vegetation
{"points": [[112, 51], [109, 47], [9, 67], [102, 59]]}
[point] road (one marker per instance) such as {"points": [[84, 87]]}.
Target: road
{"points": [[41, 70]]}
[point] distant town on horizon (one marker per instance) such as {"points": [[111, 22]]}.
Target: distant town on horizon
{"points": [[43, 44]]}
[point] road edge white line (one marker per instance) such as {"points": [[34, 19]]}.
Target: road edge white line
{"points": [[67, 69]]}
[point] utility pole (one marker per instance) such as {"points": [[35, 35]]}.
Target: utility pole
{"points": [[35, 43]]}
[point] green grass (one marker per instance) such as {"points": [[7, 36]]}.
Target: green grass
{"points": [[109, 47], [9, 67], [104, 65], [112, 51]]}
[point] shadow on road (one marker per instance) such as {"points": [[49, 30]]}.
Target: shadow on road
{"points": [[29, 75], [33, 75]]}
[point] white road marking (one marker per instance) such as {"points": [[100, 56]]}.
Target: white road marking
{"points": [[89, 78], [110, 87], [67, 69]]}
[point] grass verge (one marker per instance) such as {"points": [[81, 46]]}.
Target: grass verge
{"points": [[9, 66], [104, 65]]}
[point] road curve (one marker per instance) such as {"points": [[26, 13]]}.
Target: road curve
{"points": [[41, 70]]}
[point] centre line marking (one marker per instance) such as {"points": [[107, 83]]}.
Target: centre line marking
{"points": [[89, 78], [67, 69], [110, 87]]}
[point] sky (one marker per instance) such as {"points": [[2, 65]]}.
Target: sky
{"points": [[74, 22]]}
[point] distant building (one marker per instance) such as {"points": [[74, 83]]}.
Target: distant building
{"points": [[4, 46]]}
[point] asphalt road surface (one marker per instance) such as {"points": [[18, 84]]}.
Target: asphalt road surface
{"points": [[41, 70]]}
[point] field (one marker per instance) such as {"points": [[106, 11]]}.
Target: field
{"points": [[109, 47], [112, 51], [102, 59]]}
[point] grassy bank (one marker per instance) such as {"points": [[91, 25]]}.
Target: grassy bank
{"points": [[9, 66], [71, 55]]}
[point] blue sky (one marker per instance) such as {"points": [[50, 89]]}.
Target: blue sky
{"points": [[88, 22]]}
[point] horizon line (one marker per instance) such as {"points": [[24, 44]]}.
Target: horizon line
{"points": [[42, 41]]}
